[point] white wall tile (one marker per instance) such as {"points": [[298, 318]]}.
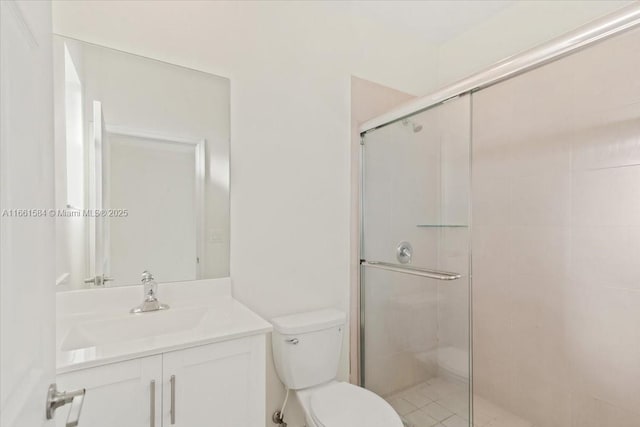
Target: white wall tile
{"points": [[606, 197], [555, 337]]}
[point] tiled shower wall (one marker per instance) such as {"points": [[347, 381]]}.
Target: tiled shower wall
{"points": [[556, 239]]}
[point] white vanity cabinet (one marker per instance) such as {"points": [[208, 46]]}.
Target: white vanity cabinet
{"points": [[205, 357], [220, 384], [215, 385], [118, 394]]}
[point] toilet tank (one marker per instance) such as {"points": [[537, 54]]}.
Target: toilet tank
{"points": [[306, 347]]}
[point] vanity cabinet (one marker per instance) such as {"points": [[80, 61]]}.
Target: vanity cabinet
{"points": [[215, 385], [118, 394], [220, 384]]}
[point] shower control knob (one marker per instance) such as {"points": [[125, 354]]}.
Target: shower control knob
{"points": [[404, 252]]}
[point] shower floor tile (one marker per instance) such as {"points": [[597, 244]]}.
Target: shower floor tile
{"points": [[442, 402]]}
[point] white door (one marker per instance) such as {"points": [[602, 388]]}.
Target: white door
{"points": [[27, 273], [124, 394], [216, 385]]}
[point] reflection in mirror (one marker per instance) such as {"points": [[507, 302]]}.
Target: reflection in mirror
{"points": [[142, 169]]}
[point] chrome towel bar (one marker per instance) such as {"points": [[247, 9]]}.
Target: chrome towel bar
{"points": [[416, 271]]}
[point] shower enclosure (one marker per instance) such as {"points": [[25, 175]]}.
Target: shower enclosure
{"points": [[550, 140], [415, 261]]}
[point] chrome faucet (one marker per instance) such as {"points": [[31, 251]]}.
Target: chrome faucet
{"points": [[150, 302]]}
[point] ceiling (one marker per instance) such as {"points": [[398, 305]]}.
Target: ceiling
{"points": [[431, 21]]}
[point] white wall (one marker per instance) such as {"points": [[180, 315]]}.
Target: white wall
{"points": [[290, 65]]}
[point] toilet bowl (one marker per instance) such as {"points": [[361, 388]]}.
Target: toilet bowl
{"points": [[340, 404], [306, 352]]}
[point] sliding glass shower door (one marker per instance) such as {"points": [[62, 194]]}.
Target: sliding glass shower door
{"points": [[415, 284]]}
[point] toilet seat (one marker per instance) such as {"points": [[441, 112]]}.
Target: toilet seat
{"points": [[346, 405]]}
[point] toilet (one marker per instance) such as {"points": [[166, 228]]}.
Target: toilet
{"points": [[306, 352]]}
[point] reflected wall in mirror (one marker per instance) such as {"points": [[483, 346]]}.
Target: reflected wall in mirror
{"points": [[142, 168]]}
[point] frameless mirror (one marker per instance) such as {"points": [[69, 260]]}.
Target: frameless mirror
{"points": [[142, 168]]}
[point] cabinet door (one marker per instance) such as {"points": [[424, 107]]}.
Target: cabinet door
{"points": [[216, 385], [118, 394]]}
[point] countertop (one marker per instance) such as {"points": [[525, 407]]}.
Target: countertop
{"points": [[94, 327]]}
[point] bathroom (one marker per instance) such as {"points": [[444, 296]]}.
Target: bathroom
{"points": [[448, 187]]}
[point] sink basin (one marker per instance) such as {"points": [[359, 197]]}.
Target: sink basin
{"points": [[130, 327]]}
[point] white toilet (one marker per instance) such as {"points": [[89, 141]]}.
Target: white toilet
{"points": [[306, 351]]}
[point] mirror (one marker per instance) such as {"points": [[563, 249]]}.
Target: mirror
{"points": [[142, 169]]}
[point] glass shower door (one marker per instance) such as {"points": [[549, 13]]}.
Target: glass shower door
{"points": [[415, 286]]}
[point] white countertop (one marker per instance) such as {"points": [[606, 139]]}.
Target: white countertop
{"points": [[94, 327]]}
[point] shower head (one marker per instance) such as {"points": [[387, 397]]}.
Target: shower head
{"points": [[416, 128]]}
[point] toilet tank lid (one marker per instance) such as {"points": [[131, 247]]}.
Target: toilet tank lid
{"points": [[308, 321]]}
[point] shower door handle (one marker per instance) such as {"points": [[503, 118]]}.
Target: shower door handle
{"points": [[414, 271]]}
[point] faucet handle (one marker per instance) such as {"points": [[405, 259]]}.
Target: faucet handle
{"points": [[150, 288], [146, 276]]}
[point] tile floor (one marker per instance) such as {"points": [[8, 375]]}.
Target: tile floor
{"points": [[443, 402]]}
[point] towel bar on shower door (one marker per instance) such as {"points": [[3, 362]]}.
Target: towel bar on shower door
{"points": [[416, 271]]}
